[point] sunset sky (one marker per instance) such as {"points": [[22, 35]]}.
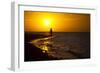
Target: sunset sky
{"points": [[59, 22]]}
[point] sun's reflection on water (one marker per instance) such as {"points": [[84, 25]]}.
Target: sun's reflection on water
{"points": [[51, 48], [43, 43], [44, 49]]}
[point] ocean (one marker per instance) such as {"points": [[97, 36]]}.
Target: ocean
{"points": [[41, 46]]}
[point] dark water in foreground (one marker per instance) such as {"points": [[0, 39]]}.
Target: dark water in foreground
{"points": [[71, 45]]}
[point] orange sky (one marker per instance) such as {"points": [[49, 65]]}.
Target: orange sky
{"points": [[59, 22]]}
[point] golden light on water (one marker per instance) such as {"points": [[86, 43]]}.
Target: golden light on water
{"points": [[45, 49], [35, 21]]}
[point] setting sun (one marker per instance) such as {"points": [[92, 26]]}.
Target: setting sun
{"points": [[47, 22], [59, 22]]}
